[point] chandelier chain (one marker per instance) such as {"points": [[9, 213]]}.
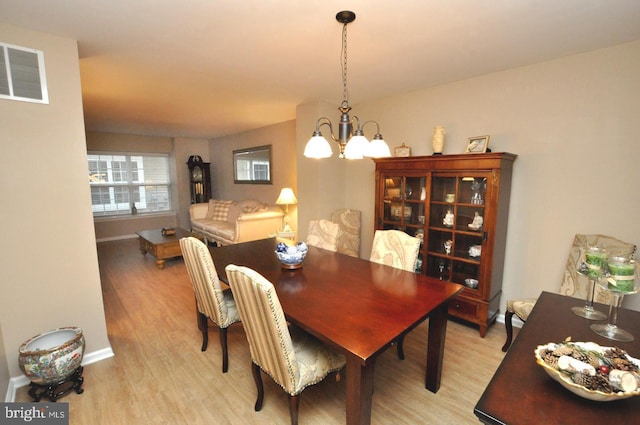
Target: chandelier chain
{"points": [[345, 92]]}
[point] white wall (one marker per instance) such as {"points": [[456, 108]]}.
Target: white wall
{"points": [[182, 150], [572, 122], [321, 183], [49, 267]]}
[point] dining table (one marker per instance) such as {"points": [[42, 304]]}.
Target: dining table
{"points": [[358, 307], [522, 393]]}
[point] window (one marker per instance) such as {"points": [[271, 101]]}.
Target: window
{"points": [[22, 75], [120, 181]]}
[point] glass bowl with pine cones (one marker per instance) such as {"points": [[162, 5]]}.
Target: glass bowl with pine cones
{"points": [[590, 370]]}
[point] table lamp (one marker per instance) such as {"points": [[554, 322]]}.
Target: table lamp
{"points": [[286, 198]]}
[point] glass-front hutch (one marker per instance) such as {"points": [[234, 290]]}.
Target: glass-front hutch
{"points": [[458, 206]]}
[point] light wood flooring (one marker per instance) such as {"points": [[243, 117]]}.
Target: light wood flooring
{"points": [[159, 375]]}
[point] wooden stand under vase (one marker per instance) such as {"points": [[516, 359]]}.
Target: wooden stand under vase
{"points": [[54, 390]]}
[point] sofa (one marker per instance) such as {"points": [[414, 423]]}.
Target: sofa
{"points": [[228, 222]]}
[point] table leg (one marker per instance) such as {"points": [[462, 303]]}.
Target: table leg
{"points": [[435, 347], [160, 264], [142, 245], [359, 391]]}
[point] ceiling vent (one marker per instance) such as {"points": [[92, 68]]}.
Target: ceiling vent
{"points": [[22, 75]]}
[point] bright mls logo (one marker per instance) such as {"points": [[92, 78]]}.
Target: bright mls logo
{"points": [[35, 413]]}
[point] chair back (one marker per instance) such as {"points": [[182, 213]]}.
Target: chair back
{"points": [[348, 221], [577, 285], [396, 249], [204, 278], [265, 325], [323, 234]]}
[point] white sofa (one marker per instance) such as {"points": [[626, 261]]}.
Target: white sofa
{"points": [[229, 222]]}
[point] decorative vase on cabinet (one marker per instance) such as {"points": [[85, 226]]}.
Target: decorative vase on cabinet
{"points": [[462, 221], [438, 140]]}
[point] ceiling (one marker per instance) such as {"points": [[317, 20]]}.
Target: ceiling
{"points": [[208, 68]]}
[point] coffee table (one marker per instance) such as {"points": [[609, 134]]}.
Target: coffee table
{"points": [[162, 247]]}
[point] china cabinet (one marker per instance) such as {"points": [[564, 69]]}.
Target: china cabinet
{"points": [[199, 179], [458, 205]]}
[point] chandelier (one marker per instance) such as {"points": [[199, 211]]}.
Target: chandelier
{"points": [[353, 145]]}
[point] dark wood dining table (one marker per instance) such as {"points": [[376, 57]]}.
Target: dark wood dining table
{"points": [[356, 306], [521, 392]]}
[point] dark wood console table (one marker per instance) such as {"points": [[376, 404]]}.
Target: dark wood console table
{"points": [[521, 392]]}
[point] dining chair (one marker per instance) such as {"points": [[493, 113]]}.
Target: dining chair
{"points": [[348, 221], [293, 358], [396, 249], [323, 234], [212, 302], [573, 284]]}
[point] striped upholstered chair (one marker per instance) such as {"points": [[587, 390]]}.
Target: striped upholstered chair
{"points": [[396, 249], [292, 357], [212, 302], [323, 234]]}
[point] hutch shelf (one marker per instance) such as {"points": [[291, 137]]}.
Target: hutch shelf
{"points": [[458, 205]]}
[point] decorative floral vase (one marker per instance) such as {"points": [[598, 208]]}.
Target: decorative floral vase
{"points": [[52, 356], [438, 140]]}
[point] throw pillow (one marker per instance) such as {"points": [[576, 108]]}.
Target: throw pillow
{"points": [[234, 212], [219, 210]]}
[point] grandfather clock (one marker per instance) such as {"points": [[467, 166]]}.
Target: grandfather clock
{"points": [[199, 179]]}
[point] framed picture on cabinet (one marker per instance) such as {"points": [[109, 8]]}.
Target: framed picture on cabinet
{"points": [[478, 144], [402, 150]]}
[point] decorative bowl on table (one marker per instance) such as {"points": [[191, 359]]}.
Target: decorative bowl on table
{"points": [[590, 370], [290, 256]]}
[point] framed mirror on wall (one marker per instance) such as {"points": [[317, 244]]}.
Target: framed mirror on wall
{"points": [[252, 165]]}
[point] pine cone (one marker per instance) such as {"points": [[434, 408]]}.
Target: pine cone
{"points": [[580, 355], [593, 360], [623, 364], [562, 350], [550, 359], [583, 379], [601, 383]]}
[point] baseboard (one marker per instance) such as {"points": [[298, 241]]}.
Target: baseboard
{"points": [[22, 381], [116, 238], [515, 321]]}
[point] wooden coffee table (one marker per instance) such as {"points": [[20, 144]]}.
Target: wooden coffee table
{"points": [[162, 247]]}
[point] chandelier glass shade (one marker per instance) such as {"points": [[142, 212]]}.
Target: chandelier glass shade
{"points": [[352, 144]]}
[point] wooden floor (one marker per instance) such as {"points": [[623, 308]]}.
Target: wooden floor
{"points": [[159, 375]]}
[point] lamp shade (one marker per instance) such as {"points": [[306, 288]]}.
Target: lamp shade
{"points": [[356, 147], [378, 148], [286, 197], [317, 147]]}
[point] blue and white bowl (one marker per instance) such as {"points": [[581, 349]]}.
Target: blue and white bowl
{"points": [[291, 257]]}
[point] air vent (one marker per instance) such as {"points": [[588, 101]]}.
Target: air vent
{"points": [[22, 75]]}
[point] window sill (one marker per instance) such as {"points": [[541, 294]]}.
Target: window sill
{"points": [[139, 216]]}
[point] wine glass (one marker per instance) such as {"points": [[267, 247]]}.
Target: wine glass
{"points": [[591, 264], [622, 278]]}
